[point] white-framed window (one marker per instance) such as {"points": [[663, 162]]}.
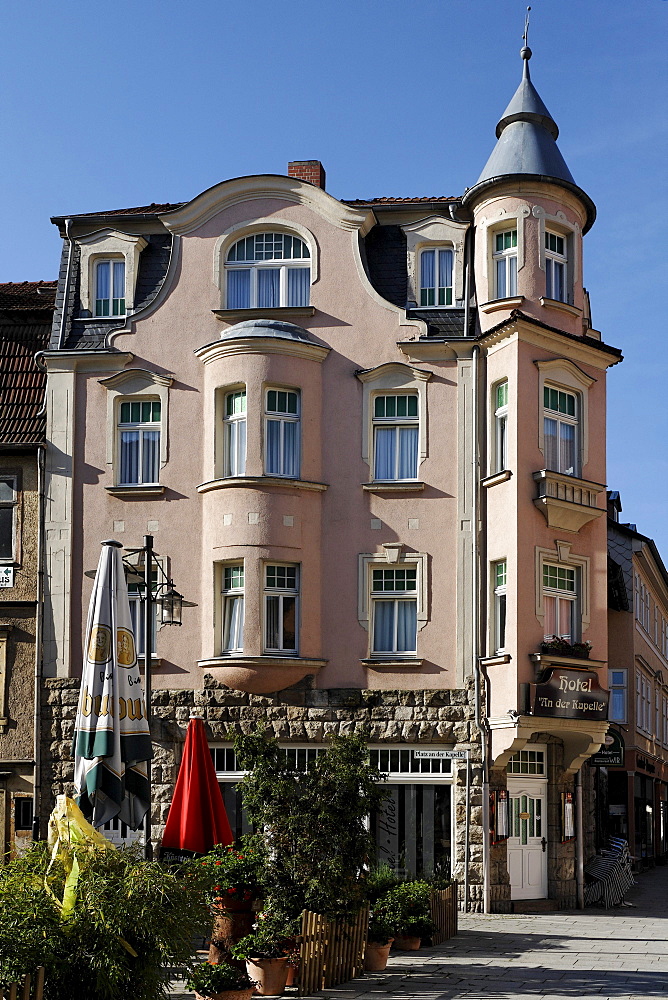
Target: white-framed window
{"points": [[560, 425], [436, 268], [555, 267], [500, 443], [505, 263], [394, 611], [234, 433], [643, 603], [139, 428], [281, 608], [657, 713], [618, 693], [282, 438], [643, 703], [396, 431], [268, 270], [233, 607], [528, 762], [110, 287], [8, 518], [138, 610], [499, 579], [664, 712], [560, 601]]}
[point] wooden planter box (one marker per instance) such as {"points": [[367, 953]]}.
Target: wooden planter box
{"points": [[331, 951]]}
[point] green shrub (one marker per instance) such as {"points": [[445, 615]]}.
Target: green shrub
{"points": [[131, 921], [380, 880], [407, 909], [236, 871], [208, 979]]}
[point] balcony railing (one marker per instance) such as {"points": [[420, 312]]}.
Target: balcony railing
{"points": [[565, 501]]}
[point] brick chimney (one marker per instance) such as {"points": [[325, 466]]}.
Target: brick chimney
{"points": [[308, 170]]}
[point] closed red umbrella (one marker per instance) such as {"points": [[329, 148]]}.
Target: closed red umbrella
{"points": [[197, 819]]}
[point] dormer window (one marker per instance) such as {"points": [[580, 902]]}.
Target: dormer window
{"points": [[436, 277], [555, 267], [110, 288], [505, 263], [268, 270]]}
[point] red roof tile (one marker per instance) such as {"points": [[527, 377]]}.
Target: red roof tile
{"points": [[397, 201], [27, 294], [153, 209], [22, 383]]}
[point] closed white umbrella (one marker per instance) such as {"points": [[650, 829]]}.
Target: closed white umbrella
{"points": [[112, 743]]}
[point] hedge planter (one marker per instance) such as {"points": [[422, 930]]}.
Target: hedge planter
{"points": [[407, 943], [270, 974], [376, 955]]}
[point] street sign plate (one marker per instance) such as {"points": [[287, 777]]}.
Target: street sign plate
{"points": [[440, 754], [6, 576]]}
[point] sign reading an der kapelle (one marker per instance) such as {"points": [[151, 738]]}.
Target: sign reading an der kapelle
{"points": [[570, 694]]}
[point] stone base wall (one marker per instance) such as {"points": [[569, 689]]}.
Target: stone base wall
{"points": [[300, 714]]}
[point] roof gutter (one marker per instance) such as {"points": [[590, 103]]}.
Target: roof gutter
{"points": [[66, 289]]}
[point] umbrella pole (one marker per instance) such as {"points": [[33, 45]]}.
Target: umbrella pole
{"points": [[148, 644]]}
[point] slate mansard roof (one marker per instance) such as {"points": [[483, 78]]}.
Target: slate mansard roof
{"points": [[25, 324]]}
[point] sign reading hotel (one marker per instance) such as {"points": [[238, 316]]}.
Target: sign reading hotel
{"points": [[570, 694], [611, 753]]}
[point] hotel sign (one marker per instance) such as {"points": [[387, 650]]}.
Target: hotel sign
{"points": [[611, 753], [570, 694]]}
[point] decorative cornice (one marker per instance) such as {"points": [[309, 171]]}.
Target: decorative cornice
{"points": [[261, 187], [396, 487], [261, 345], [89, 361], [496, 305], [276, 312], [260, 482], [373, 374], [577, 373], [121, 377]]}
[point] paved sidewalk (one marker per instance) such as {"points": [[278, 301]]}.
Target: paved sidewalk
{"points": [[619, 954]]}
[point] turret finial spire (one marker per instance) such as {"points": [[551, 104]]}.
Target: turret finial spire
{"points": [[525, 36], [525, 51]]}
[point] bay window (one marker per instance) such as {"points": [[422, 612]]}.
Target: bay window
{"points": [[233, 608], [560, 601], [499, 615], [396, 433], [282, 444], [561, 429], [555, 267], [268, 270], [505, 263], [234, 430], [500, 443], [281, 607]]}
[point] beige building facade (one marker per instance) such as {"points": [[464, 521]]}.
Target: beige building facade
{"points": [[368, 439]]}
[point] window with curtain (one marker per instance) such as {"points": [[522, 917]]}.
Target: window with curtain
{"points": [[395, 437], [281, 606], [233, 608], [234, 433], [505, 263], [500, 427], [394, 611], [560, 422], [555, 267], [110, 288], [560, 601], [499, 580], [139, 442], [436, 277], [8, 506], [268, 270], [282, 438]]}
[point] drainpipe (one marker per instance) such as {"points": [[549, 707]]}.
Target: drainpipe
{"points": [[579, 841], [66, 289], [39, 619]]}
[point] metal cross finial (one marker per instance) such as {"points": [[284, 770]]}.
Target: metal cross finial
{"points": [[525, 36]]}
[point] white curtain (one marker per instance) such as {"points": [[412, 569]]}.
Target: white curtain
{"points": [[383, 626], [445, 268], [385, 451], [130, 457], [238, 289], [268, 287], [235, 447], [272, 456], [406, 626], [512, 277], [290, 448], [551, 444], [102, 284], [150, 456], [234, 622], [408, 452], [271, 620], [299, 286], [567, 449]]}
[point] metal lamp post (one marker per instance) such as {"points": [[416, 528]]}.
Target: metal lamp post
{"points": [[170, 603]]}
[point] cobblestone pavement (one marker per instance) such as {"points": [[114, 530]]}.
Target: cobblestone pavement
{"points": [[619, 954]]}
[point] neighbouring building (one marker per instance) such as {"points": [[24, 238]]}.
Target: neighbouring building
{"points": [[26, 311], [631, 772], [368, 438]]}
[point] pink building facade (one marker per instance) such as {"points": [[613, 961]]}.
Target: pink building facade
{"points": [[368, 439]]}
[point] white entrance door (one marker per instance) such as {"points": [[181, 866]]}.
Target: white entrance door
{"points": [[527, 844]]}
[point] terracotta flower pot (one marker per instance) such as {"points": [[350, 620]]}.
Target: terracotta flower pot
{"points": [[270, 974], [293, 975], [228, 995], [376, 955], [233, 920], [407, 943]]}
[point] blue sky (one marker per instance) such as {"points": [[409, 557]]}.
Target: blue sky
{"points": [[140, 101]]}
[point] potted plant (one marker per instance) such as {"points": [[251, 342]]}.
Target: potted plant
{"points": [[409, 906], [382, 923], [220, 982], [236, 874], [562, 647], [268, 952]]}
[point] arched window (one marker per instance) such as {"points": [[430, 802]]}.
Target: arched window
{"points": [[268, 270]]}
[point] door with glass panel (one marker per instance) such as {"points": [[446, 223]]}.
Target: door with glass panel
{"points": [[527, 843]]}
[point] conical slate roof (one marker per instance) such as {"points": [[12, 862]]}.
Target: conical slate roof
{"points": [[527, 146]]}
